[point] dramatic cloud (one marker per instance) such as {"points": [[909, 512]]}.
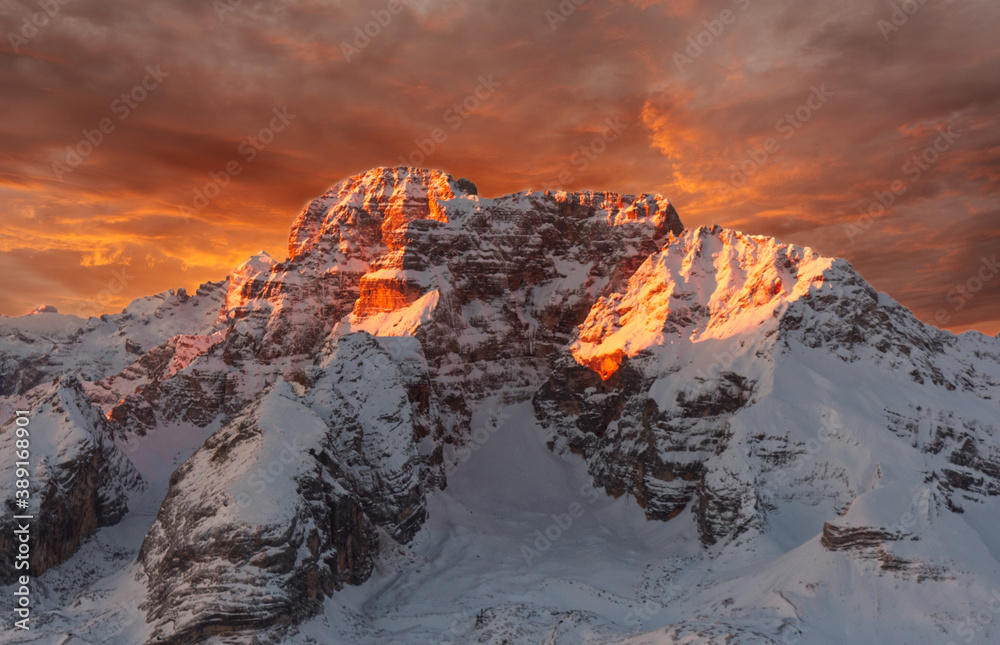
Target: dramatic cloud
{"points": [[164, 142]]}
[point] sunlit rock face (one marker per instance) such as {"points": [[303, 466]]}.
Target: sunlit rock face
{"points": [[294, 419], [400, 251], [661, 377], [406, 296], [490, 289], [710, 283]]}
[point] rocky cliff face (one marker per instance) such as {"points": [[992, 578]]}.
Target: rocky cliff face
{"points": [[489, 288], [314, 404], [80, 483], [287, 502], [705, 330]]}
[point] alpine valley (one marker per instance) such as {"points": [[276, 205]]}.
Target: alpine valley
{"points": [[546, 417]]}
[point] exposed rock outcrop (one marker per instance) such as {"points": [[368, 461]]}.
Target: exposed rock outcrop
{"points": [[709, 375], [78, 479]]}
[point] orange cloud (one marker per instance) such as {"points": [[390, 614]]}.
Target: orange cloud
{"points": [[688, 130]]}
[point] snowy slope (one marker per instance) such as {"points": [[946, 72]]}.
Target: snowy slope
{"points": [[39, 346], [541, 418]]}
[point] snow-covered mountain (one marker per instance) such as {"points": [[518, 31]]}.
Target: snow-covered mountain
{"points": [[541, 418]]}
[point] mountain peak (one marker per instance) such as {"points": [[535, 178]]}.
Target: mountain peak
{"points": [[764, 402], [709, 282], [391, 196], [378, 242], [257, 265], [380, 202]]}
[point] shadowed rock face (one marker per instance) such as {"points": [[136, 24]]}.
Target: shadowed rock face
{"points": [[659, 457], [378, 242], [81, 486], [485, 293], [333, 386], [653, 413], [202, 554], [291, 499], [842, 538]]}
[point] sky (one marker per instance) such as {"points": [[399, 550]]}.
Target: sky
{"points": [[154, 145]]}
